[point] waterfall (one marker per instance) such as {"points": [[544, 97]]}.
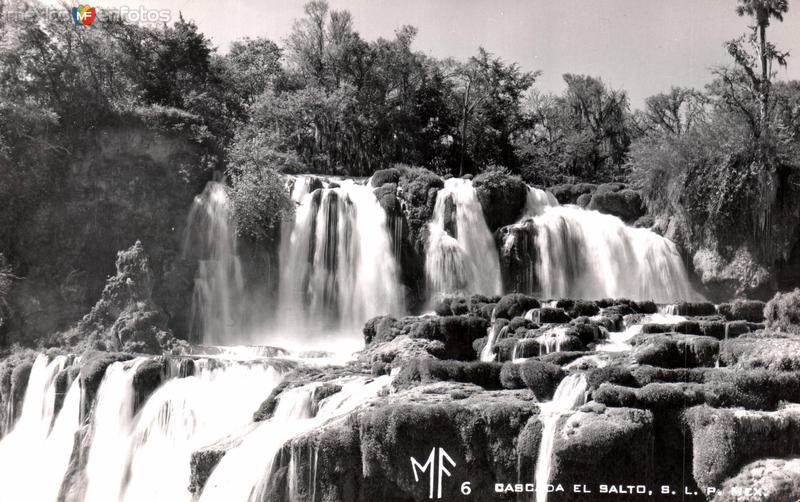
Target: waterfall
{"points": [[245, 472], [337, 264], [620, 341], [218, 285], [146, 455], [487, 352], [461, 253], [570, 394], [23, 472], [59, 445], [569, 252], [113, 421], [553, 340], [537, 201]]}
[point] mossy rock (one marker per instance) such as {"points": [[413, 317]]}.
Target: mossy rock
{"points": [[675, 350], [591, 447], [514, 305], [743, 310], [625, 204], [726, 440], [768, 479], [757, 352], [540, 377], [502, 197], [423, 371]]}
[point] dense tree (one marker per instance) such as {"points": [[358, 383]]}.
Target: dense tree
{"points": [[673, 112], [582, 134], [487, 95]]}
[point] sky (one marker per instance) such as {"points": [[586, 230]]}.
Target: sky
{"points": [[642, 46]]}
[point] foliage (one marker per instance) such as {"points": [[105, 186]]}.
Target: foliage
{"points": [[6, 281], [783, 312], [260, 201], [583, 134], [722, 162]]}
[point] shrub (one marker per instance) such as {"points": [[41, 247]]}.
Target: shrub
{"points": [[260, 202], [782, 313]]}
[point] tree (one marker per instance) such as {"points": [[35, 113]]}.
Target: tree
{"points": [[762, 11], [254, 65], [583, 133], [487, 95], [673, 112]]}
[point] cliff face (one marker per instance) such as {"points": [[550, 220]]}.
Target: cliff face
{"points": [[120, 185]]}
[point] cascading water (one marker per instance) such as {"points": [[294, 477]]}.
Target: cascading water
{"points": [[27, 476], [245, 472], [492, 332], [219, 284], [461, 254], [537, 201], [113, 421], [570, 394], [620, 341], [569, 252], [552, 341], [146, 455], [337, 264]]}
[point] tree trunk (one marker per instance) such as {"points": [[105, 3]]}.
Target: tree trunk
{"points": [[765, 79], [464, 129]]}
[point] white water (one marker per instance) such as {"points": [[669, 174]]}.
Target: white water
{"points": [[620, 341], [587, 254], [553, 340], [537, 201], [337, 264], [52, 466], [22, 472], [570, 394], [243, 474], [466, 262], [113, 422], [218, 285], [146, 456], [492, 332]]}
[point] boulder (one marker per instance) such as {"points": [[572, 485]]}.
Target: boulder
{"points": [[726, 440], [550, 315], [569, 193], [675, 350], [765, 479], [540, 377], [625, 204], [502, 197], [93, 368], [754, 352], [515, 304], [593, 444], [578, 308], [424, 371], [743, 310], [365, 457], [695, 309]]}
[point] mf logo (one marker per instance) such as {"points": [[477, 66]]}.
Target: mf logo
{"points": [[435, 469], [83, 14]]}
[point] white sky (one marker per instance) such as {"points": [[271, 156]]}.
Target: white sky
{"points": [[643, 46]]}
